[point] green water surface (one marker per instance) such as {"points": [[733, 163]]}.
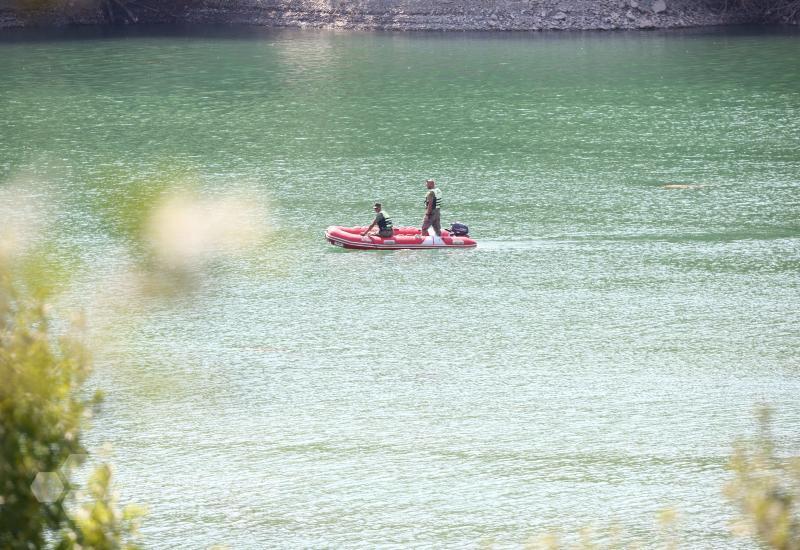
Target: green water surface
{"points": [[590, 363]]}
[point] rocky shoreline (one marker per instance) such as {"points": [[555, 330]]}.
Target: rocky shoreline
{"points": [[398, 15]]}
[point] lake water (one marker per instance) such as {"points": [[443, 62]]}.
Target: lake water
{"points": [[589, 364]]}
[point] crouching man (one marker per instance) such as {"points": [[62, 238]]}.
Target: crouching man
{"points": [[383, 221]]}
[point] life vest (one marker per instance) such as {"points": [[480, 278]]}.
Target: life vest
{"points": [[384, 221], [437, 198]]}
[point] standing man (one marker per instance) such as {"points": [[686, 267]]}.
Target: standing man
{"points": [[383, 221], [433, 203]]}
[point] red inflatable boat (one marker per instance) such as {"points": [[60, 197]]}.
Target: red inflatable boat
{"points": [[404, 237]]}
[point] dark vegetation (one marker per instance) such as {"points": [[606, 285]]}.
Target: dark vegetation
{"points": [[113, 11]]}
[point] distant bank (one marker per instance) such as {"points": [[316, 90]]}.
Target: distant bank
{"points": [[403, 15]]}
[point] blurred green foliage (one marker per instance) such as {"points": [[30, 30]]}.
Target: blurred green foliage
{"points": [[99, 523], [171, 233], [124, 207], [42, 414], [766, 489]]}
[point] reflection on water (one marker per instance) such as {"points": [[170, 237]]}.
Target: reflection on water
{"points": [[590, 362]]}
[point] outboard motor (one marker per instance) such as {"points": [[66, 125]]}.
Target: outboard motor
{"points": [[459, 229]]}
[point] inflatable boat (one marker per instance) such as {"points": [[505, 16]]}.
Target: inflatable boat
{"points": [[404, 237]]}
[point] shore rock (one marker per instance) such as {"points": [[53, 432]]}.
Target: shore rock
{"points": [[402, 15]]}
